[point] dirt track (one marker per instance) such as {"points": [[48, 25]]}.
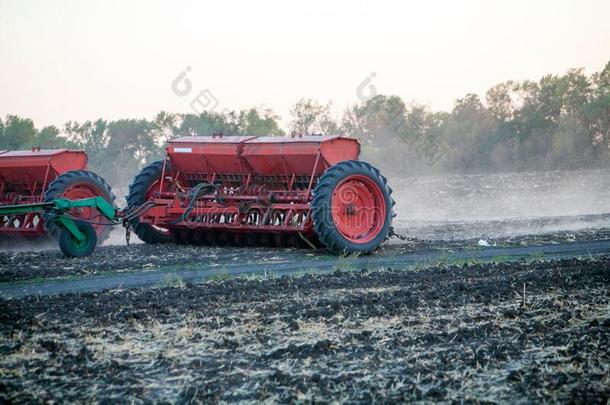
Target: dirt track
{"points": [[110, 267], [511, 332], [146, 266]]}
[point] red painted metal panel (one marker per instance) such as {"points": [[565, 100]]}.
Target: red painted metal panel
{"points": [[35, 152], [260, 155], [294, 139], [24, 178], [279, 155], [338, 150], [35, 166], [206, 154], [210, 139]]}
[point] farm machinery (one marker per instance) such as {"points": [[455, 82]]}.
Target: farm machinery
{"points": [[307, 191], [30, 179]]}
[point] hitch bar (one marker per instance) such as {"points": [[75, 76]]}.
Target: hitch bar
{"points": [[60, 208]]}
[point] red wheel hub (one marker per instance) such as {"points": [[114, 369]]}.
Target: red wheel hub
{"points": [[87, 214], [358, 208]]}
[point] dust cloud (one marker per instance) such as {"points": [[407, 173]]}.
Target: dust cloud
{"points": [[502, 204]]}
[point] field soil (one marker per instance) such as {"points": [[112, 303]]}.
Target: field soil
{"points": [[509, 332]]}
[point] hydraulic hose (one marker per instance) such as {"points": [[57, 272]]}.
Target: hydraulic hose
{"points": [[193, 196]]}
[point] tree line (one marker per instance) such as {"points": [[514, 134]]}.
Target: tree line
{"points": [[557, 122]]}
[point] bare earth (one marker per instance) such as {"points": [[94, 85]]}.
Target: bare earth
{"points": [[511, 332]]}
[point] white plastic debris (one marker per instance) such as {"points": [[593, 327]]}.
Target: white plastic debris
{"points": [[484, 243]]}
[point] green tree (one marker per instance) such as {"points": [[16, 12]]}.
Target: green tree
{"points": [[380, 117], [251, 122], [206, 124], [116, 149], [131, 144], [577, 91], [395, 138], [501, 101], [424, 133], [89, 136], [164, 127], [597, 113], [48, 138], [18, 133], [309, 117], [468, 126], [131, 138]]}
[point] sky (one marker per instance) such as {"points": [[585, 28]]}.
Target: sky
{"points": [[82, 60]]}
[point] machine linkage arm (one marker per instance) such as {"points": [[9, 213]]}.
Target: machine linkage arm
{"points": [[62, 205], [77, 237]]}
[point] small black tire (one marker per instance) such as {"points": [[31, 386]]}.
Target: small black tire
{"points": [[73, 248], [138, 189], [325, 228], [95, 185], [181, 236]]}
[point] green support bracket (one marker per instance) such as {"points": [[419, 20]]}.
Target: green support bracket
{"points": [[61, 206], [24, 208], [70, 225], [67, 222], [83, 238], [102, 205]]}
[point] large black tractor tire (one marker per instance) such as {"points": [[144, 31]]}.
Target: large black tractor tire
{"points": [[77, 184], [137, 196], [352, 208], [73, 248]]}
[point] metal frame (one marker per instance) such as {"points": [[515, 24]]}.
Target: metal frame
{"points": [[26, 222], [263, 184], [61, 207], [233, 207], [24, 179]]}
